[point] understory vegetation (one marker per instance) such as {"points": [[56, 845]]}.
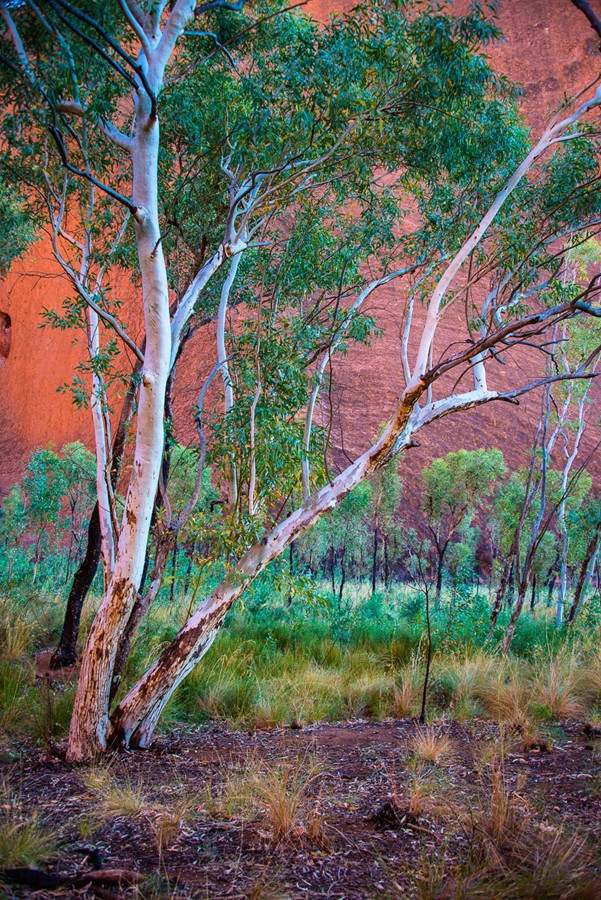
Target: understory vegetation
{"points": [[359, 711], [277, 663], [453, 808]]}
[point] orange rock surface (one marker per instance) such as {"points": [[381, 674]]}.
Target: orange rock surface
{"points": [[549, 49]]}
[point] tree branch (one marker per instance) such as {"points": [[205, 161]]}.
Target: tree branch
{"points": [[593, 18]]}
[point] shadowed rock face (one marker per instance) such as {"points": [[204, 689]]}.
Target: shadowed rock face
{"points": [[550, 49]]}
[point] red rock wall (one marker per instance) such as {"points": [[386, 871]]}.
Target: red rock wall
{"points": [[549, 48]]}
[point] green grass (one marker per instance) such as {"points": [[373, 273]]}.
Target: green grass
{"points": [[24, 841], [278, 664]]}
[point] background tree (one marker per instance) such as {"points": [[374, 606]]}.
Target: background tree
{"points": [[587, 525], [385, 495], [455, 488], [526, 510], [48, 511]]}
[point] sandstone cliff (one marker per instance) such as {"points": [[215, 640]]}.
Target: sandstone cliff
{"points": [[549, 49]]}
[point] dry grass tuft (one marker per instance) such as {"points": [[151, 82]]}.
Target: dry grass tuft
{"points": [[506, 700], [559, 687], [118, 799], [129, 800], [430, 745], [282, 790]]}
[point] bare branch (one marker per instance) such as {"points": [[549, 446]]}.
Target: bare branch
{"points": [[593, 18]]}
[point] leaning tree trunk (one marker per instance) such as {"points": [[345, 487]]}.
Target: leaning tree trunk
{"points": [[135, 718], [586, 569]]}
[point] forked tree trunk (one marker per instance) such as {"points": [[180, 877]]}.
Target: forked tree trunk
{"points": [[167, 543], [89, 724], [135, 718], [66, 651]]}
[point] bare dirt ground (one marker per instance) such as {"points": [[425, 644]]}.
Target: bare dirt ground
{"points": [[373, 818]]}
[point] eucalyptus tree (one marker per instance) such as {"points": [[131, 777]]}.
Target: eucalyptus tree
{"points": [[279, 178], [570, 401], [386, 491], [526, 510], [455, 487], [588, 523]]}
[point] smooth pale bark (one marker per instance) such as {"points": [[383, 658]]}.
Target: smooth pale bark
{"points": [[561, 515], [98, 401], [222, 362], [87, 736]]}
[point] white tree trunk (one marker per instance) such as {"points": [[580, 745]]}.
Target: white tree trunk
{"points": [[89, 723], [102, 445]]}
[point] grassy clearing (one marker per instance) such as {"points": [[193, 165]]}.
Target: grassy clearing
{"points": [[360, 803], [277, 665]]}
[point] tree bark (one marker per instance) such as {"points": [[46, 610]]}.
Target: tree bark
{"points": [[342, 578], [584, 575], [517, 609], [374, 561], [501, 590], [533, 594], [66, 651], [167, 543], [89, 724], [441, 551]]}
